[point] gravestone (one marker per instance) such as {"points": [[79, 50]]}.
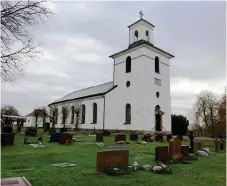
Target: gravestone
{"points": [[197, 145], [185, 150], [7, 139], [162, 154], [220, 145], [52, 130], [7, 129], [169, 137], [55, 137], [159, 137], [46, 127], [118, 147], [99, 137], [17, 181], [31, 131], [133, 137], [191, 142], [120, 137], [109, 158], [147, 138], [174, 147], [66, 138], [63, 130]]}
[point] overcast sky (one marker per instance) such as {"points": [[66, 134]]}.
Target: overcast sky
{"points": [[77, 40]]}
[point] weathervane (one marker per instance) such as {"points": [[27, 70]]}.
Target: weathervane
{"points": [[141, 14]]}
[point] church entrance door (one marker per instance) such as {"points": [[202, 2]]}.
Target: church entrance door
{"points": [[158, 122]]}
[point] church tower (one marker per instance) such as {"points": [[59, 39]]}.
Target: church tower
{"points": [[141, 100]]}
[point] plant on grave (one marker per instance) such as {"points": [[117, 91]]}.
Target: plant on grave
{"points": [[116, 170], [65, 113], [180, 159]]}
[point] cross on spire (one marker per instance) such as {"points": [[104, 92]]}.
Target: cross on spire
{"points": [[141, 14]]}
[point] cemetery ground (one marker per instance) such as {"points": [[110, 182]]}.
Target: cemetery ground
{"points": [[209, 170]]}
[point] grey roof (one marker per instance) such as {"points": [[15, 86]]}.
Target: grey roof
{"points": [[139, 21], [141, 42], [87, 92]]}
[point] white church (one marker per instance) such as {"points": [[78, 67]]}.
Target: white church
{"points": [[138, 98]]}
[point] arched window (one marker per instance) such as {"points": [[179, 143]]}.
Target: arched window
{"points": [[83, 114], [157, 108], [136, 35], [72, 114], [156, 59], [56, 116], [147, 35], [128, 64], [94, 113], [128, 114]]}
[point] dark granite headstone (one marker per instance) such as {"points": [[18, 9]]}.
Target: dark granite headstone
{"points": [[159, 137], [185, 150], [7, 129], [31, 132], [55, 137], [109, 158], [7, 139], [120, 137], [147, 137], [162, 153], [99, 137], [133, 137], [66, 138]]}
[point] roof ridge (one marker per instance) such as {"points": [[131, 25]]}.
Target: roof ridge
{"points": [[84, 89]]}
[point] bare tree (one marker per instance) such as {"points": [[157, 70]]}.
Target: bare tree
{"points": [[222, 112], [77, 110], [45, 114], [206, 109], [54, 115], [65, 113], [17, 41], [37, 113]]}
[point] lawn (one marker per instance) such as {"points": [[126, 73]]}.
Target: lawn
{"points": [[209, 170]]}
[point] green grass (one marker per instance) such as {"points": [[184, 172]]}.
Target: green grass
{"points": [[209, 170]]}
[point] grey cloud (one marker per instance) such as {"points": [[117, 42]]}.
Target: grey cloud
{"points": [[193, 31]]}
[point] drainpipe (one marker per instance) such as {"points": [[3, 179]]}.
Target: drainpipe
{"points": [[104, 108]]}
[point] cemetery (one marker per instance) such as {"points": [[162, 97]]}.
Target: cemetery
{"points": [[71, 157]]}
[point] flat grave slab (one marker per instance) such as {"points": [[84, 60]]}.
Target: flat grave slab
{"points": [[37, 145], [118, 147], [65, 165], [17, 181]]}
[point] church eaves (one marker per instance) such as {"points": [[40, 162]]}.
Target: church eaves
{"points": [[93, 91], [141, 42]]}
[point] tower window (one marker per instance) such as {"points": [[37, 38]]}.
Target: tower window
{"points": [[136, 35], [128, 64], [94, 113], [127, 83], [72, 114], [156, 59], [147, 35], [157, 94], [83, 114], [128, 114]]}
